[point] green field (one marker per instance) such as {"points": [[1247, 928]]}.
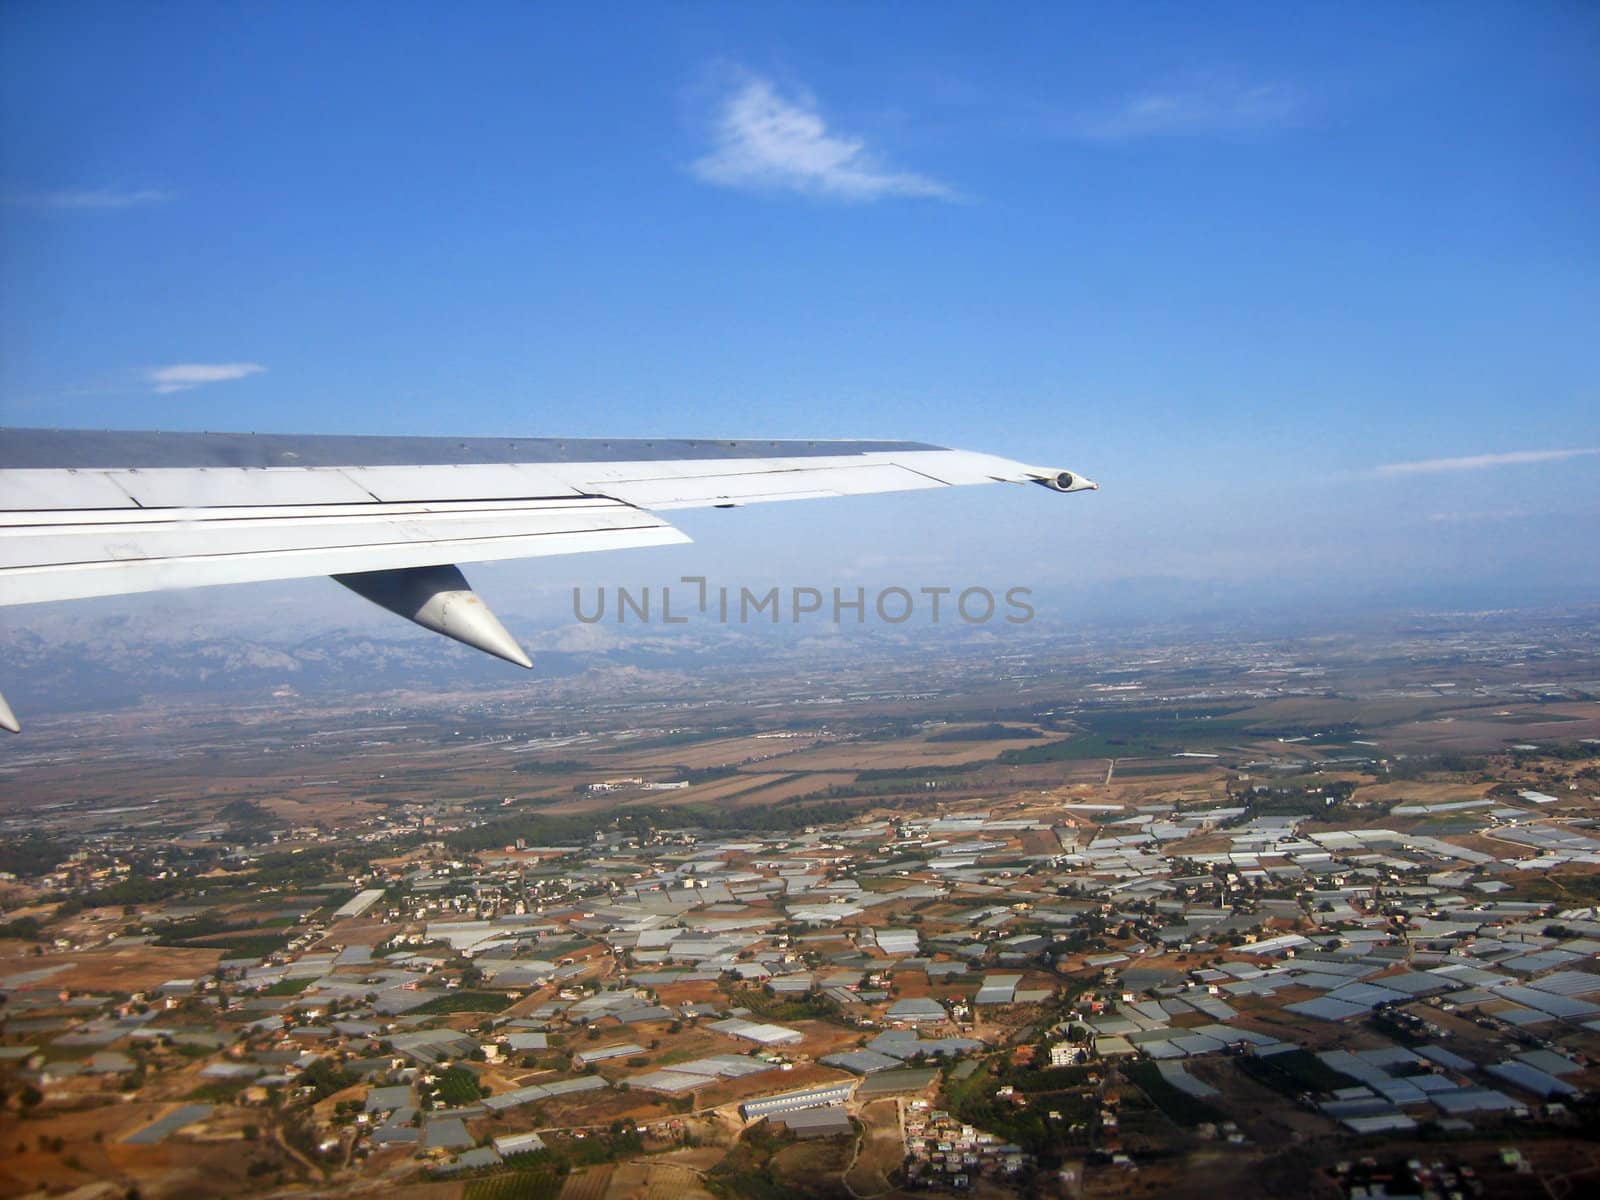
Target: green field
{"points": [[1085, 745], [1136, 733], [464, 1001], [1183, 1108], [1182, 766], [458, 1087], [1295, 1072], [288, 987]]}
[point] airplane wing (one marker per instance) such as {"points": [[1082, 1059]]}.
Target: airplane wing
{"points": [[88, 513]]}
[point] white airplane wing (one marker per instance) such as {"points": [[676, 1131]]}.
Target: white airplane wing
{"points": [[86, 513]]}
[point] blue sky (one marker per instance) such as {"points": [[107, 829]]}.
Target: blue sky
{"points": [[1228, 261]]}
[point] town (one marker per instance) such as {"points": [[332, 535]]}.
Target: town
{"points": [[1132, 943]]}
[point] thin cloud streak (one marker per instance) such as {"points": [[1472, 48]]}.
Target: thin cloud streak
{"points": [[765, 142], [1196, 111], [1479, 462], [1465, 518], [180, 377], [87, 199]]}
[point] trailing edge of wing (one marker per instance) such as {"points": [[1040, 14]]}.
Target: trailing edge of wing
{"points": [[109, 553]]}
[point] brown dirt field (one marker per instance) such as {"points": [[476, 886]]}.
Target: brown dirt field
{"points": [[654, 1181], [1366, 712], [133, 969], [529, 1002], [709, 792], [1486, 845], [595, 1109], [1480, 730], [1077, 773], [703, 1157], [910, 753], [629, 1181], [673, 994], [587, 1183], [812, 1165], [690, 1042], [791, 787], [184, 1166], [424, 1191], [824, 1038], [719, 791], [882, 1149], [1131, 792], [1419, 793], [358, 932], [1490, 844], [716, 753]]}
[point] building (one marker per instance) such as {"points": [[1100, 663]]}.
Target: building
{"points": [[594, 1054], [518, 1143], [767, 1106], [753, 1031], [827, 1121], [358, 904], [916, 1011]]}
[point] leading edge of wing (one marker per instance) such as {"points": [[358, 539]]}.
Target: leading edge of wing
{"points": [[96, 449]]}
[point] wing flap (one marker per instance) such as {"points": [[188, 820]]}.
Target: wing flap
{"points": [[111, 552], [33, 585]]}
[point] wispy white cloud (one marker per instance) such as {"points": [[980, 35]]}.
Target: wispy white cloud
{"points": [[85, 199], [181, 376], [1480, 462], [1471, 518], [764, 141], [1201, 109]]}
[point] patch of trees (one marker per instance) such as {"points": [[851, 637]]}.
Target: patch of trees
{"points": [[325, 1078], [1561, 752], [693, 775], [32, 855], [1420, 766], [247, 814], [553, 766], [137, 890], [1297, 801], [974, 1101], [1295, 1072], [987, 733]]}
